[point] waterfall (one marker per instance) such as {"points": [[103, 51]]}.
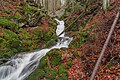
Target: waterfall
{"points": [[19, 67], [63, 2]]}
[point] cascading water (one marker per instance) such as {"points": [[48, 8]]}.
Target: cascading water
{"points": [[63, 2], [21, 66]]}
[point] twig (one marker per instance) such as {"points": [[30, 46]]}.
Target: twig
{"points": [[105, 46], [48, 62]]}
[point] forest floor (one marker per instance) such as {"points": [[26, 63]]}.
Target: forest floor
{"points": [[78, 61], [110, 66]]}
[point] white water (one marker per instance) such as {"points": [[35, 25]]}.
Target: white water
{"points": [[21, 66], [63, 2], [60, 28]]}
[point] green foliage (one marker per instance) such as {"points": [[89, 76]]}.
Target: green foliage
{"points": [[45, 37], [24, 34], [82, 39], [7, 11], [27, 40], [56, 58], [17, 17], [43, 62], [7, 53], [51, 73], [9, 24], [27, 11], [61, 69], [78, 5], [38, 35], [69, 64], [49, 35], [11, 43], [5, 17], [2, 40]]}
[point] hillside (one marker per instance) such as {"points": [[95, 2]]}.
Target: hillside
{"points": [[25, 29]]}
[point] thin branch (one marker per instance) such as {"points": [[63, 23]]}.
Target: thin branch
{"points": [[105, 46], [48, 62]]}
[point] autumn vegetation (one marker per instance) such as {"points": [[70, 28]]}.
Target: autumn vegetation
{"points": [[24, 29]]}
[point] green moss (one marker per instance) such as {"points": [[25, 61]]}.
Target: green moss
{"points": [[11, 38], [82, 39], [7, 34], [49, 35], [11, 43], [7, 11], [62, 77], [41, 36], [55, 59], [61, 69], [2, 40], [24, 34], [69, 64], [17, 16], [9, 24], [7, 53], [5, 22], [43, 62], [51, 73], [40, 74]]}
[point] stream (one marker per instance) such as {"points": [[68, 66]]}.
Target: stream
{"points": [[20, 66]]}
